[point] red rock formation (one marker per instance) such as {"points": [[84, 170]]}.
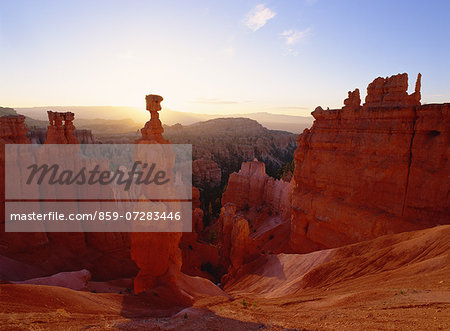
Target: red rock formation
{"points": [[59, 133], [157, 255], [392, 92], [206, 172], [13, 130], [69, 128], [106, 255], [255, 217], [353, 100], [235, 245], [231, 141], [199, 258], [197, 213], [362, 172], [153, 130], [251, 188]]}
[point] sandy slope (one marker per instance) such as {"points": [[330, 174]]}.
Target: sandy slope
{"points": [[395, 282]]}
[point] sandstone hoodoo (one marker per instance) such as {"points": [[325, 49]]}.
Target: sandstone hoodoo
{"points": [[157, 255], [153, 130], [59, 133], [365, 171], [252, 188], [105, 255], [392, 92]]}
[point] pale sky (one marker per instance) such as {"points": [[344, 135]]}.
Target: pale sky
{"points": [[283, 56]]}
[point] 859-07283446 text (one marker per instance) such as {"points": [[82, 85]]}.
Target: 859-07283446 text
{"points": [[98, 216]]}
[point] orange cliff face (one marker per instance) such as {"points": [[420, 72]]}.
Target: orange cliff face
{"points": [[252, 188], [13, 130], [255, 217], [365, 171]]}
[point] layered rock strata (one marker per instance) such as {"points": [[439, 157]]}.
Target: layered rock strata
{"points": [[252, 188], [365, 171]]}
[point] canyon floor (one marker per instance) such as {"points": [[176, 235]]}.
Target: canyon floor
{"points": [[394, 282]]}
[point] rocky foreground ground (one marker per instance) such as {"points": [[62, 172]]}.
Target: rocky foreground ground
{"points": [[395, 282]]}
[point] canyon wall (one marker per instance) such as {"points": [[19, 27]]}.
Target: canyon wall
{"points": [[365, 171], [255, 217], [200, 258], [252, 188]]}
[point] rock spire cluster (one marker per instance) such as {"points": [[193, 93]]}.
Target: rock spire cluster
{"points": [[59, 132]]}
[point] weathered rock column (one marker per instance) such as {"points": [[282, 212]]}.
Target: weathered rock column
{"points": [[69, 128], [59, 133], [157, 255], [153, 130]]}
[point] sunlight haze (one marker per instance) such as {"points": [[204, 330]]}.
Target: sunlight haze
{"points": [[283, 57]]}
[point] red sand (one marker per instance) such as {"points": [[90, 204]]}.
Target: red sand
{"points": [[395, 282]]}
